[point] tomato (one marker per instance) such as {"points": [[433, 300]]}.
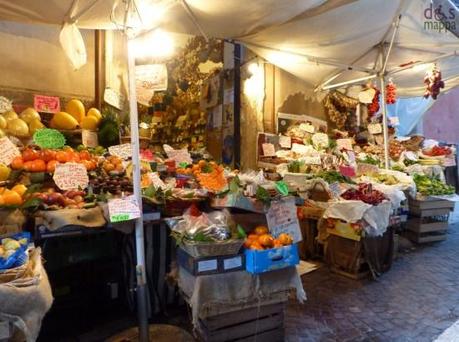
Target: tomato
{"points": [[29, 155], [85, 155], [28, 166], [47, 155], [38, 165], [17, 163], [51, 166], [62, 157]]}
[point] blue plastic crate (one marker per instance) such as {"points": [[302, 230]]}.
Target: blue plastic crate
{"points": [[19, 257], [271, 259]]}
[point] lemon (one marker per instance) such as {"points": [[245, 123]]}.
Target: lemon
{"points": [[94, 112], [2, 122], [29, 114], [4, 172], [90, 123]]}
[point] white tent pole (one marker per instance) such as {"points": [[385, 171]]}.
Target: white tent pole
{"points": [[396, 71], [139, 237], [384, 122], [356, 80], [397, 25], [194, 19]]}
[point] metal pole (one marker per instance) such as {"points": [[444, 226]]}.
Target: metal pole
{"points": [[384, 123], [357, 80], [139, 238]]}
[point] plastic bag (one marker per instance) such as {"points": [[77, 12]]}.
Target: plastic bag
{"points": [[213, 226], [73, 44], [19, 257]]}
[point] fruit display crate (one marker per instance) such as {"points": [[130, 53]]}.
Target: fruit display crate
{"points": [[261, 323], [428, 221]]}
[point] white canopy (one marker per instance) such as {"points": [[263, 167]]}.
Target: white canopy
{"points": [[332, 34]]}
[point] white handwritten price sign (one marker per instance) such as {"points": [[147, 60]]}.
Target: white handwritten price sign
{"points": [[285, 142], [269, 150], [344, 144], [8, 151], [123, 209], [70, 176], [89, 138], [123, 151], [282, 218]]}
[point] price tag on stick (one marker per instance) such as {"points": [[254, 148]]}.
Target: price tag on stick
{"points": [[89, 138], [8, 151], [123, 151], [123, 209], [70, 176]]}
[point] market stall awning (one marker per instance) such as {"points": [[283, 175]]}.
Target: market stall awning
{"points": [[313, 40]]}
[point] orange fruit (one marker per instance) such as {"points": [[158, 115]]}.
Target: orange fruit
{"points": [[260, 230], [11, 198], [51, 166], [17, 163], [2, 201], [266, 240], [202, 163], [285, 239], [256, 245], [20, 189], [277, 243]]}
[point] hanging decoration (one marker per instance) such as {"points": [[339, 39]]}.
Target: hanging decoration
{"points": [[339, 108], [373, 107], [391, 92], [433, 83]]}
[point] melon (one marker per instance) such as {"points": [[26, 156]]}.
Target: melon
{"points": [[76, 109]]}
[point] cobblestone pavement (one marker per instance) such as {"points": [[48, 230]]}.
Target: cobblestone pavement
{"points": [[415, 301]]}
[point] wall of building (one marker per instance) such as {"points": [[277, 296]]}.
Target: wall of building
{"points": [[441, 121], [32, 61], [280, 92]]}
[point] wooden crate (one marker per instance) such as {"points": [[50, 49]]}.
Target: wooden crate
{"points": [[416, 225], [425, 237], [263, 323], [420, 231], [430, 207]]}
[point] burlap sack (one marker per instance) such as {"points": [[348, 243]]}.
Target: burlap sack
{"points": [[24, 301]]}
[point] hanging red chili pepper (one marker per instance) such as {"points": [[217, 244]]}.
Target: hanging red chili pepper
{"points": [[373, 107], [391, 92]]}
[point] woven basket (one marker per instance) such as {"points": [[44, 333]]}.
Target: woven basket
{"points": [[413, 144], [312, 213], [319, 193], [209, 249]]}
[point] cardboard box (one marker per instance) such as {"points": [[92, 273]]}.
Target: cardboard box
{"points": [[345, 230], [210, 265], [271, 259]]}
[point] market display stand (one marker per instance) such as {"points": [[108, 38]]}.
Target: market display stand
{"points": [[239, 306], [428, 220], [353, 258]]}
